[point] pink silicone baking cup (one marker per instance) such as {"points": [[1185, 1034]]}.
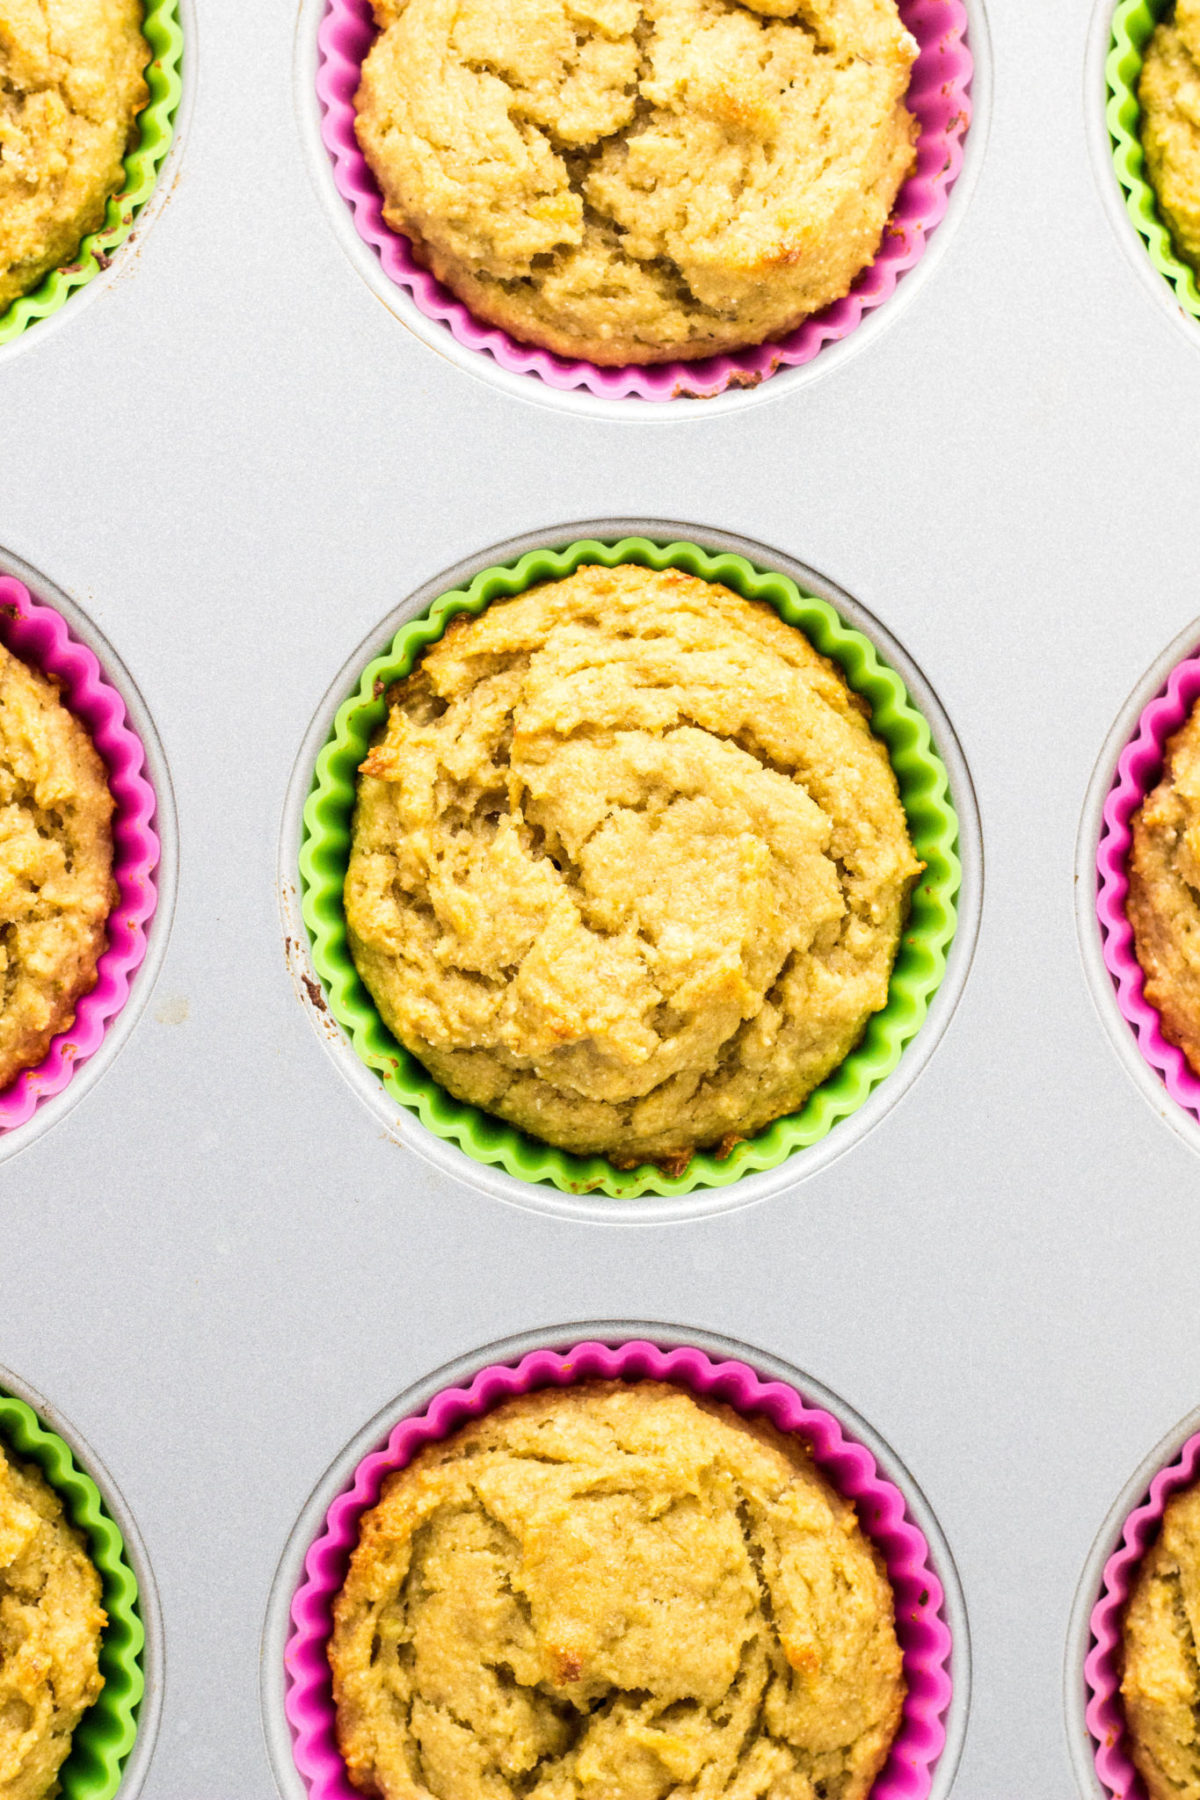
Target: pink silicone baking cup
{"points": [[938, 97], [1138, 770], [1102, 1669], [41, 637], [847, 1465]]}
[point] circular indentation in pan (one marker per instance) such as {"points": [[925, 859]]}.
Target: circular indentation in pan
{"points": [[1095, 1722], [150, 167], [1115, 46], [1129, 766], [931, 1614], [43, 626], [114, 1741], [950, 90], [486, 1153]]}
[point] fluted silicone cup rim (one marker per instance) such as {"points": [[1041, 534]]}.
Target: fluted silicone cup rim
{"points": [[142, 163], [1139, 768], [38, 634], [938, 95], [1104, 1713], [106, 1734], [925, 1637], [1132, 24], [920, 964]]}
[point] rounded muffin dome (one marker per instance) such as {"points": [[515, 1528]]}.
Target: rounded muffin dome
{"points": [[640, 180], [71, 85], [615, 1589], [1160, 1687], [50, 1625], [629, 868], [1169, 94], [56, 855]]}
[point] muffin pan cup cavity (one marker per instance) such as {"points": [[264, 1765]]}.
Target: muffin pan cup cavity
{"points": [[487, 1142], [1120, 37], [143, 862], [940, 96], [1095, 1714], [112, 1744], [930, 1622], [1129, 768], [155, 131]]}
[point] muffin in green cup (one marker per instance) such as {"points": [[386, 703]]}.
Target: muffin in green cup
{"points": [[103, 1740], [150, 140], [919, 965], [1133, 27]]}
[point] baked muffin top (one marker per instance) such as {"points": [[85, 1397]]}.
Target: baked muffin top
{"points": [[1160, 1686], [638, 180], [1164, 891], [615, 1590], [50, 1625], [70, 87], [56, 886], [628, 866], [1169, 93]]}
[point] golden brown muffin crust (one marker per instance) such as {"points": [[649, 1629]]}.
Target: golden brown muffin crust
{"points": [[1169, 95], [614, 1592], [1160, 1686], [638, 180], [628, 867], [50, 1625], [70, 87], [56, 886], [1164, 891]]}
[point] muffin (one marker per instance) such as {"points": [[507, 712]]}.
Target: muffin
{"points": [[628, 866], [614, 1589], [70, 88], [1160, 1686], [1164, 891], [50, 1625], [635, 181], [56, 885], [1169, 95]]}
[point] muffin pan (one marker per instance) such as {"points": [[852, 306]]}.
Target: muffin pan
{"points": [[46, 630], [149, 168], [948, 94], [244, 474], [114, 1741], [930, 972], [297, 1699]]}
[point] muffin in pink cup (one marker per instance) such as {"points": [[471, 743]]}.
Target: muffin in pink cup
{"points": [[1139, 769], [1136, 1536], [938, 98], [39, 636], [314, 1571]]}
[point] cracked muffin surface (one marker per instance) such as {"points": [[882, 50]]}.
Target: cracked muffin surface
{"points": [[628, 866], [1163, 906], [615, 1592], [1160, 1685], [56, 886], [1169, 95], [71, 86], [50, 1625], [640, 180]]}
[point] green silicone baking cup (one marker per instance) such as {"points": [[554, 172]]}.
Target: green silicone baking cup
{"points": [[105, 1735], [155, 129], [1133, 23], [919, 967]]}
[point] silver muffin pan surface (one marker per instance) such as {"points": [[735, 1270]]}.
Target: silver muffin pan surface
{"points": [[239, 464], [647, 1209]]}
